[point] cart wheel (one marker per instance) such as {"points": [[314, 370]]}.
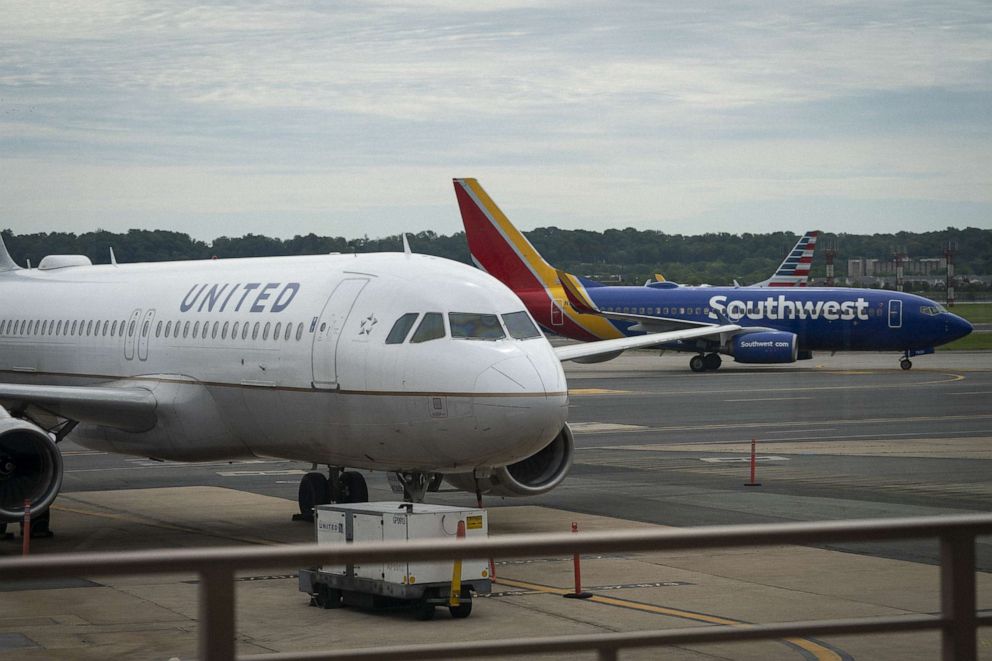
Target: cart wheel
{"points": [[328, 597], [424, 611], [462, 610]]}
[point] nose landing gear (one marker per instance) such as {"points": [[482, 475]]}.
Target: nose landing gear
{"points": [[338, 487]]}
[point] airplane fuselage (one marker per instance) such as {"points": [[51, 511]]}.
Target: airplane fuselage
{"points": [[287, 357], [821, 318]]}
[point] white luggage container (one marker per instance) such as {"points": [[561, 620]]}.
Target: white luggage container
{"points": [[423, 584]]}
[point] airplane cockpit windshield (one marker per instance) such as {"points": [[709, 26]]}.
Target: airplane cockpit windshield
{"points": [[933, 310], [464, 326], [471, 326], [520, 326]]}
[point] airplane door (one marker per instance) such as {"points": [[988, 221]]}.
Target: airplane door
{"points": [[146, 330], [557, 317], [895, 314], [328, 332], [130, 331]]}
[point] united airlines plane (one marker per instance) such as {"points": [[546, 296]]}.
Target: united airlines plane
{"points": [[419, 366], [779, 326]]}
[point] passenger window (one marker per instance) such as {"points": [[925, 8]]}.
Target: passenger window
{"points": [[520, 325], [469, 325], [73, 331], [223, 330], [234, 330], [401, 328], [277, 331], [254, 331], [158, 328], [299, 332], [265, 330], [213, 332], [206, 329], [244, 331], [89, 327], [196, 330], [430, 328], [144, 329], [186, 330], [289, 331]]}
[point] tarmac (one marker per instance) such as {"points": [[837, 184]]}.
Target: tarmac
{"points": [[141, 617]]}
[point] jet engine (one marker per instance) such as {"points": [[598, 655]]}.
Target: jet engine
{"points": [[764, 347], [30, 468], [539, 473]]}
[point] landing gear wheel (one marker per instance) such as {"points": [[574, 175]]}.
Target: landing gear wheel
{"points": [[314, 490], [462, 610], [353, 488], [905, 363], [327, 597], [697, 363], [712, 361]]}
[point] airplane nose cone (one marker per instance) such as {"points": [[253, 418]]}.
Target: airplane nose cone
{"points": [[513, 375], [957, 327]]}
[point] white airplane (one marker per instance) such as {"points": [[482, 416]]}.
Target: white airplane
{"points": [[416, 365]]}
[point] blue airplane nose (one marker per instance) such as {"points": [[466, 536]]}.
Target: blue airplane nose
{"points": [[956, 327]]}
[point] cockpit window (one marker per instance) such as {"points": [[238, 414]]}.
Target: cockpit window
{"points": [[430, 328], [932, 310], [475, 326], [401, 328], [520, 326]]}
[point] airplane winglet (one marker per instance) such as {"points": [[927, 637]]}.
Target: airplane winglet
{"points": [[113, 258], [406, 245], [6, 262], [580, 302]]}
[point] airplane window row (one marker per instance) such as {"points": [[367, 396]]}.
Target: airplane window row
{"points": [[659, 311], [227, 329], [167, 329], [464, 325]]}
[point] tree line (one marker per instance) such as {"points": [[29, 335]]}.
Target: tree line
{"points": [[626, 256]]}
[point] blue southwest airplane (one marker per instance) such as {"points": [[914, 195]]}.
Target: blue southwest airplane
{"points": [[779, 326]]}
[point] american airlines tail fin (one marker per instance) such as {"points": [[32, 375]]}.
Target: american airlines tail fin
{"points": [[6, 263], [794, 270]]}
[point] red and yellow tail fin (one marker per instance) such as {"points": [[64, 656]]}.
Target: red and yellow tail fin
{"points": [[496, 245], [504, 252]]}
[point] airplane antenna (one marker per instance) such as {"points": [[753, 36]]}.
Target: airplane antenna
{"points": [[6, 263], [113, 258], [406, 245]]}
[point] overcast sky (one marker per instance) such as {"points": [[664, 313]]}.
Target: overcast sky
{"points": [[351, 118]]}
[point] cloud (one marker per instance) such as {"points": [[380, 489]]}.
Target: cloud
{"points": [[247, 108]]}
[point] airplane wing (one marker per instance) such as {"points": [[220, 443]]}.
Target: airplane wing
{"points": [[574, 351], [129, 408]]}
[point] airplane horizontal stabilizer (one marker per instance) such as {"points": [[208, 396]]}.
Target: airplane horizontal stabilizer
{"points": [[574, 351], [579, 300]]}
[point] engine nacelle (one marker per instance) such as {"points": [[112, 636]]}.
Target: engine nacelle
{"points": [[765, 347], [539, 473], [30, 468]]}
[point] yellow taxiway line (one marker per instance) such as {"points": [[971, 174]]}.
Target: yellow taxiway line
{"points": [[817, 650]]}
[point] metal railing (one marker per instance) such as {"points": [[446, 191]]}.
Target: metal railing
{"points": [[957, 620]]}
